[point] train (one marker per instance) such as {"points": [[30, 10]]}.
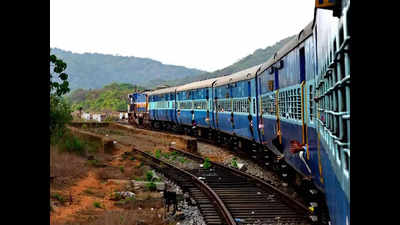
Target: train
{"points": [[292, 110]]}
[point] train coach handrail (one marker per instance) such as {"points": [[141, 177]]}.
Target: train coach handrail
{"points": [[201, 185]]}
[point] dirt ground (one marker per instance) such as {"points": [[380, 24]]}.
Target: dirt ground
{"points": [[85, 195]]}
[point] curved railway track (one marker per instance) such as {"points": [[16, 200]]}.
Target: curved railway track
{"points": [[228, 196]]}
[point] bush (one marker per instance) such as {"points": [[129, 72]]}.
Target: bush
{"points": [[149, 175], [158, 153], [60, 115], [73, 144], [206, 163], [97, 205], [151, 186], [234, 163], [58, 197]]}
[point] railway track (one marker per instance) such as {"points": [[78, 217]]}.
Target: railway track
{"points": [[211, 206], [228, 196], [249, 197]]}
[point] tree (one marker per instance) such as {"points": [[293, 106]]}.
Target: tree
{"points": [[60, 110]]}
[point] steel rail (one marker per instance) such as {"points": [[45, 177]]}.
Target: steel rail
{"points": [[201, 185], [259, 182]]}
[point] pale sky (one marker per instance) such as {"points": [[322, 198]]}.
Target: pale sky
{"points": [[201, 34]]}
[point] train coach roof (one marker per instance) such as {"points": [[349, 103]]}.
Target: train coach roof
{"points": [[145, 92], [162, 91], [238, 76], [197, 84], [303, 34]]}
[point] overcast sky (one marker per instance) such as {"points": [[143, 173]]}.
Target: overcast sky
{"points": [[202, 34]]}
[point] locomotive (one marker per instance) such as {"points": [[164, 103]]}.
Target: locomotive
{"points": [[292, 110]]}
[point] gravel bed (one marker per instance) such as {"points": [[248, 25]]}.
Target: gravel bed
{"points": [[191, 214], [223, 156]]}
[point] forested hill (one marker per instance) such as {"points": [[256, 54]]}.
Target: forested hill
{"points": [[94, 70], [112, 97], [259, 56]]}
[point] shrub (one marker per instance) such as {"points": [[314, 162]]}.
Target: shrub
{"points": [[158, 153], [149, 175], [93, 162], [151, 186], [121, 168], [234, 163], [166, 155], [58, 197], [88, 191], [206, 163], [97, 205], [60, 115]]}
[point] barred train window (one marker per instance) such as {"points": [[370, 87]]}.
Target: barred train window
{"points": [[224, 105], [241, 105], [268, 104], [185, 105], [200, 104], [282, 105], [289, 104]]}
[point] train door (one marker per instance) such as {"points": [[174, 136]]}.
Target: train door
{"points": [[211, 105], [215, 108], [304, 117], [278, 140], [207, 93]]}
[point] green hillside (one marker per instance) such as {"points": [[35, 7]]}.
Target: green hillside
{"points": [[93, 70], [112, 97]]}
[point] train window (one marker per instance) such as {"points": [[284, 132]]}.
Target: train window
{"points": [[297, 106], [268, 104], [282, 105], [302, 64], [224, 106]]}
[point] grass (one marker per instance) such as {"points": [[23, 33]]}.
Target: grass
{"points": [[66, 167], [88, 191], [151, 186], [149, 175], [182, 159], [58, 197], [165, 155], [234, 163], [93, 162], [97, 205], [206, 163], [158, 153], [74, 144]]}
